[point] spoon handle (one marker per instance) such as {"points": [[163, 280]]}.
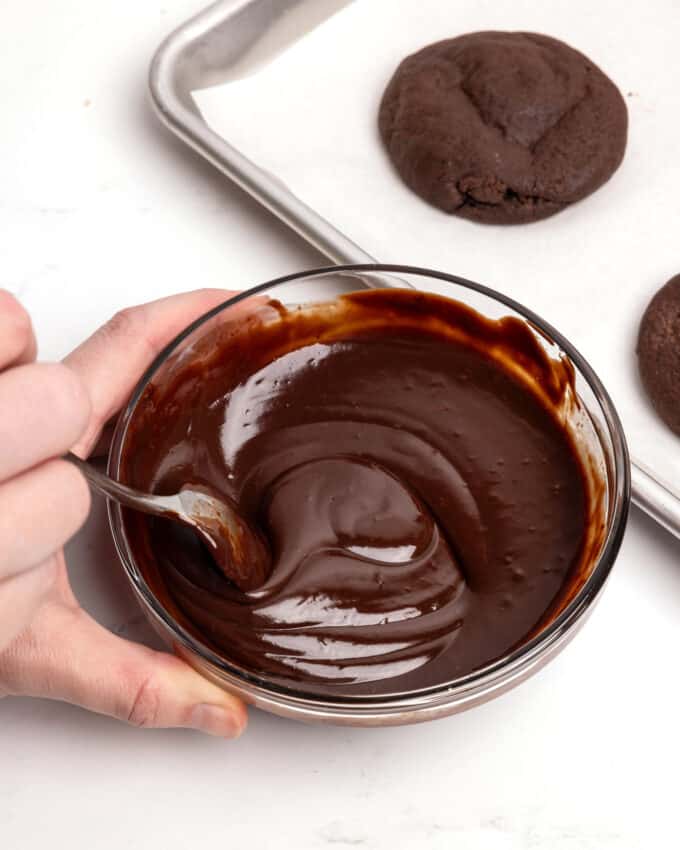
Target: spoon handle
{"points": [[128, 496]]}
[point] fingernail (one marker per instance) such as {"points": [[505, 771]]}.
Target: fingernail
{"points": [[215, 720]]}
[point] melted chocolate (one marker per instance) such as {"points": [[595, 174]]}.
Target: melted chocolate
{"points": [[423, 505]]}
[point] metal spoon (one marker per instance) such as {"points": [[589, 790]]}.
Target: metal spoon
{"points": [[237, 548]]}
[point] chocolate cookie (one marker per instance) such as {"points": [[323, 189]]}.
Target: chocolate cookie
{"points": [[658, 352], [502, 127]]}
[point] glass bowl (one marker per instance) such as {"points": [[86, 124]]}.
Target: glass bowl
{"points": [[598, 436]]}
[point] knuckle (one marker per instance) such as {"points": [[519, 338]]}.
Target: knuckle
{"points": [[124, 324], [145, 704]]}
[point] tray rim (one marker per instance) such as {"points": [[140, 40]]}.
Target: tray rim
{"points": [[175, 107], [172, 100]]}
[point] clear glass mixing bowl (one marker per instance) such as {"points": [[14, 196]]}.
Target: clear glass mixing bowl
{"points": [[597, 432]]}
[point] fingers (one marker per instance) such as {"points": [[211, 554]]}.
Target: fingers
{"points": [[45, 410], [66, 655], [20, 597], [43, 502], [112, 360], [17, 342], [39, 511]]}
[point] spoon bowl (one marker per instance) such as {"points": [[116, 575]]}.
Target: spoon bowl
{"points": [[237, 548]]}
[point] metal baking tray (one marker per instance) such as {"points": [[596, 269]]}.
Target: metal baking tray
{"points": [[227, 40]]}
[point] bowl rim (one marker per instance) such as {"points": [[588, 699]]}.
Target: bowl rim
{"points": [[494, 675]]}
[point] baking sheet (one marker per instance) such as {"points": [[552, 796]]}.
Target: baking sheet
{"points": [[309, 116]]}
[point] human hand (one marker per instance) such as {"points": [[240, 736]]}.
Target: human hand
{"points": [[49, 646]]}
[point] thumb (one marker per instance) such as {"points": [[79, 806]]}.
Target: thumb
{"points": [[66, 655]]}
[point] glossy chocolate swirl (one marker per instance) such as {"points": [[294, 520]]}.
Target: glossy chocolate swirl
{"points": [[423, 504]]}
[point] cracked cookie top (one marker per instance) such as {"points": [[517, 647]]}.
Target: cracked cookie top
{"points": [[502, 127]]}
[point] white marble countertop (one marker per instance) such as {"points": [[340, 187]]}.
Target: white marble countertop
{"points": [[100, 208]]}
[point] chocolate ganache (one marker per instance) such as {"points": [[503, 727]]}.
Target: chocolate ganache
{"points": [[424, 506]]}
